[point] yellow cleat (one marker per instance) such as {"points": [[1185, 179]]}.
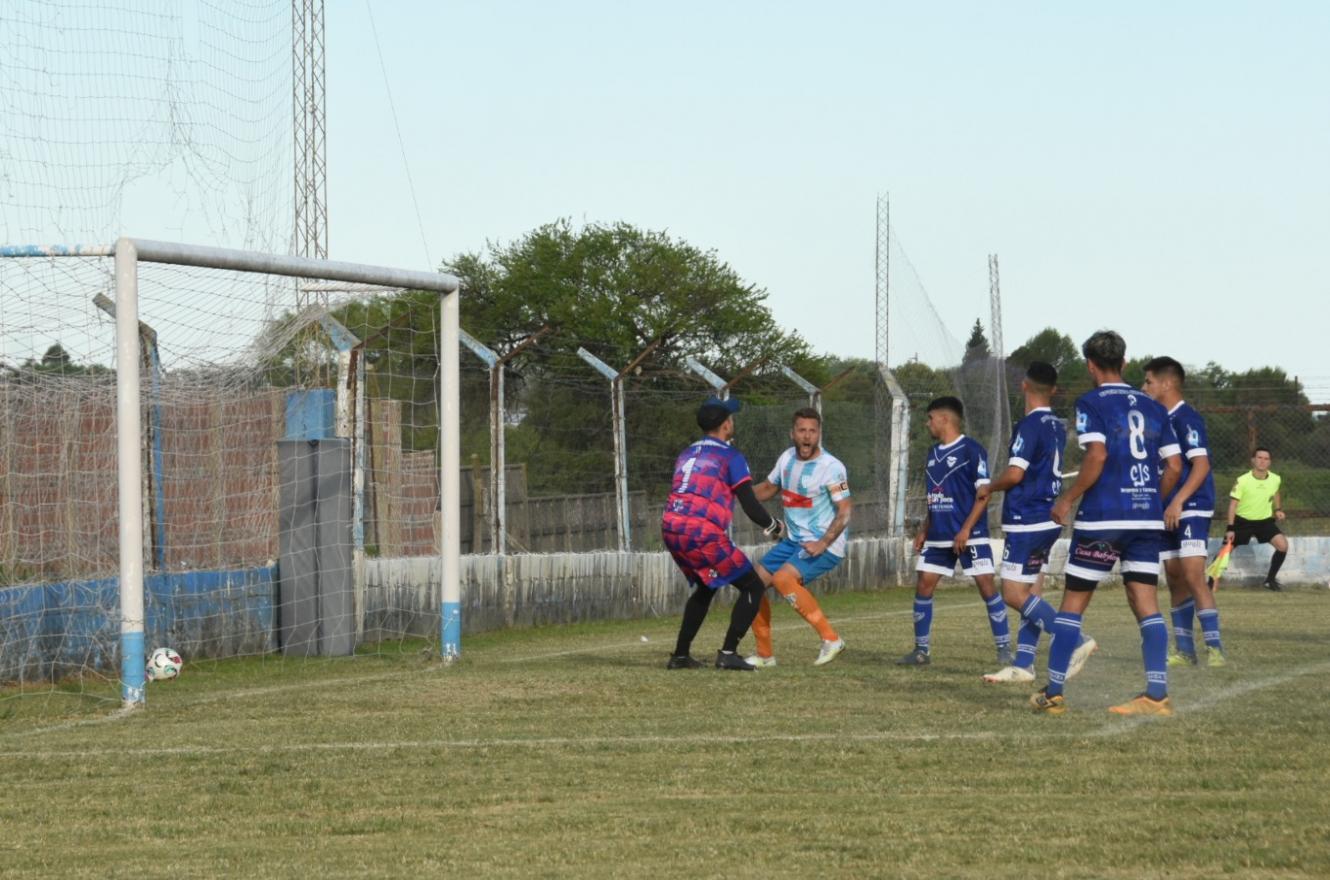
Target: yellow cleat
{"points": [[1216, 659], [1043, 704], [1143, 704], [1177, 658]]}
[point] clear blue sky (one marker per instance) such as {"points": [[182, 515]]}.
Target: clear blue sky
{"points": [[1158, 168]]}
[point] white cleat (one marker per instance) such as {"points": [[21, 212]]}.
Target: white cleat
{"points": [[1080, 655], [1010, 673], [830, 651], [761, 662]]}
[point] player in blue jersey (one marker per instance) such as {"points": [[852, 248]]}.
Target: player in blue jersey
{"points": [[708, 476], [815, 495], [955, 529], [1126, 437], [1187, 515], [1031, 484]]}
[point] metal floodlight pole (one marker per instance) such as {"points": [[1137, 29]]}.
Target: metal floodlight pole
{"points": [[155, 537], [620, 445], [814, 393], [128, 426]]}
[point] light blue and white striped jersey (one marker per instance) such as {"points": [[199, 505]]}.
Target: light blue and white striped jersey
{"points": [[809, 491]]}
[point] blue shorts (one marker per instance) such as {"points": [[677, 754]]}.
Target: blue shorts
{"points": [[1190, 538], [1025, 554], [976, 559], [1093, 553], [792, 552]]}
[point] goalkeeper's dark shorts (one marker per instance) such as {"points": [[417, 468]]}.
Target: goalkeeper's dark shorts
{"points": [[703, 551], [1263, 530]]}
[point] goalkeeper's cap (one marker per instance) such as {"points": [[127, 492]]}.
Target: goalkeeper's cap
{"points": [[713, 413]]}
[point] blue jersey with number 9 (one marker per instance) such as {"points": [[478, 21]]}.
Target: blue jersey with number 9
{"points": [[1138, 436]]}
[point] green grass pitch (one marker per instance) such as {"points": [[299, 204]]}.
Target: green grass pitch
{"points": [[572, 752]]}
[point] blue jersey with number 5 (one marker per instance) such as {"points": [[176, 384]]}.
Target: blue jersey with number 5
{"points": [[1138, 436]]}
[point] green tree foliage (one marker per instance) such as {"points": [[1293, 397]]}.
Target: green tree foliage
{"points": [[616, 290], [976, 347]]}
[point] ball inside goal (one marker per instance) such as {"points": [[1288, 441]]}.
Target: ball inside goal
{"points": [[164, 664]]}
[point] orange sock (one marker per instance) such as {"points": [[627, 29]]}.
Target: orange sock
{"points": [[787, 584], [762, 627]]}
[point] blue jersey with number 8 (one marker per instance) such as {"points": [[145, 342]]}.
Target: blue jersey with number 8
{"points": [[1137, 433]]}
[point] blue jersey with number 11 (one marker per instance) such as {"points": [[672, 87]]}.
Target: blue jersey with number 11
{"points": [[1138, 436]]}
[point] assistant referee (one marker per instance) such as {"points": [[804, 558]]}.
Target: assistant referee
{"points": [[1255, 510]]}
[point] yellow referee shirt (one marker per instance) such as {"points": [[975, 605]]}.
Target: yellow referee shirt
{"points": [[1256, 497]]}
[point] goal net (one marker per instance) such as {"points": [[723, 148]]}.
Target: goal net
{"points": [[223, 452]]}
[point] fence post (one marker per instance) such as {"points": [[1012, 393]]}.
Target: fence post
{"points": [[814, 393], [620, 446], [716, 382], [898, 474]]}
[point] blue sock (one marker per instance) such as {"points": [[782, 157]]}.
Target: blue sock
{"points": [[1210, 627], [1154, 650], [997, 621], [1183, 626], [1036, 618], [1066, 636], [1027, 644], [923, 620]]}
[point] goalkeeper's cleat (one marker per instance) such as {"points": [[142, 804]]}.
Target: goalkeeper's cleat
{"points": [[1010, 673], [1144, 704], [917, 657], [1005, 657], [1273, 585], [1043, 704], [733, 661], [684, 662], [1216, 658], [829, 651], [1181, 658], [1082, 653], [757, 661]]}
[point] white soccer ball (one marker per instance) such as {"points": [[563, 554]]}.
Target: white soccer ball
{"points": [[164, 664]]}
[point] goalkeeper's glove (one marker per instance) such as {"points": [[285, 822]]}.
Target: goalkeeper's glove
{"points": [[776, 530]]}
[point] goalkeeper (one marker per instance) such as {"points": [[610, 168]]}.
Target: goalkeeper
{"points": [[708, 476]]}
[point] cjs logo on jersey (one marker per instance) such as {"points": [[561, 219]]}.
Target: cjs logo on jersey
{"points": [[983, 468], [1018, 445], [1193, 438], [951, 461], [1082, 421]]}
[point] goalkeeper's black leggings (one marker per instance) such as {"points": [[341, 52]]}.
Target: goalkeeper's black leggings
{"points": [[745, 611]]}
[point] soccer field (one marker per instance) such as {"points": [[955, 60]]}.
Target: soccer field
{"points": [[571, 751]]}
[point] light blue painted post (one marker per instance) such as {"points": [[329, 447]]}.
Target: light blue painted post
{"points": [[129, 470]]}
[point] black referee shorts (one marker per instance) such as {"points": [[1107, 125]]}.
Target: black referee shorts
{"points": [[1263, 530]]}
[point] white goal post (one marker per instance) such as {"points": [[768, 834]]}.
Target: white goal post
{"points": [[128, 253]]}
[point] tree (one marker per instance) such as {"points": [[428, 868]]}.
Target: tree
{"points": [[976, 348]]}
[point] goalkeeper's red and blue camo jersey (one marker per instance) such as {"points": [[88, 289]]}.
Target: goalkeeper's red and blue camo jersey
{"points": [[1037, 442], [1189, 427], [1138, 436], [954, 471], [705, 477]]}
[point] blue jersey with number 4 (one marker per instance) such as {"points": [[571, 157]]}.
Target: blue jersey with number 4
{"points": [[1037, 442], [1138, 436], [1190, 429]]}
